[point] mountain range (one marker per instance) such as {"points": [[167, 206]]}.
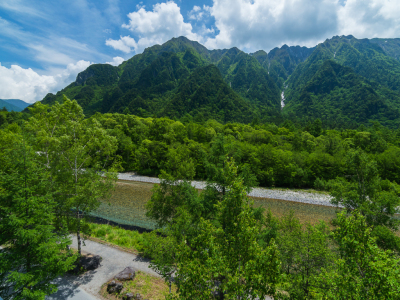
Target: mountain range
{"points": [[13, 104], [342, 81]]}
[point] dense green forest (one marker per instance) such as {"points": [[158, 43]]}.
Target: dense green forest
{"points": [[296, 155], [56, 164]]}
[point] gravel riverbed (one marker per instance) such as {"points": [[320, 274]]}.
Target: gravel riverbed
{"points": [[288, 195]]}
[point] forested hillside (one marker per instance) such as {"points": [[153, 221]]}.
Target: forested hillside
{"points": [[179, 72], [344, 82]]}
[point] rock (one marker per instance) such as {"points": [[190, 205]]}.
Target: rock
{"points": [[87, 263], [111, 286], [127, 274], [139, 297], [129, 296], [114, 287], [90, 262]]}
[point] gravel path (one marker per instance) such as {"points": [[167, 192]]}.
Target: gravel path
{"points": [[88, 285], [304, 197]]}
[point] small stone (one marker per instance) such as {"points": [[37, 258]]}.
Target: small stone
{"points": [[114, 287], [111, 287], [127, 274], [119, 287], [90, 262], [129, 296], [139, 297]]}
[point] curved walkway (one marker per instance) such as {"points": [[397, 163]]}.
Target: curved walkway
{"points": [[88, 285]]}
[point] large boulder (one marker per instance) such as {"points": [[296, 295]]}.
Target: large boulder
{"points": [[127, 274]]}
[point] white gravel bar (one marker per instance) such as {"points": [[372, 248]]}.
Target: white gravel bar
{"points": [[287, 195]]}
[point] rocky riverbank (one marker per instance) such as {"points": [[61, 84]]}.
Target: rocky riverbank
{"points": [[288, 195]]}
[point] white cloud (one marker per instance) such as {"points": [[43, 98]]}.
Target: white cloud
{"points": [[125, 44], [258, 24], [164, 22], [196, 13], [370, 18], [19, 7], [28, 85], [50, 55], [116, 61]]}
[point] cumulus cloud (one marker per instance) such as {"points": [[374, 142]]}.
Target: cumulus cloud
{"points": [[258, 24], [28, 85], [116, 61], [370, 18], [124, 44], [164, 22]]}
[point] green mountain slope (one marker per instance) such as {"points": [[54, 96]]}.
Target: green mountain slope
{"points": [[9, 106], [147, 83], [390, 46], [247, 77], [342, 80], [281, 62], [339, 95], [205, 95], [16, 102], [377, 73]]}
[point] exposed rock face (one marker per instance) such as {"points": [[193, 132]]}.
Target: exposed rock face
{"points": [[127, 274], [114, 287]]}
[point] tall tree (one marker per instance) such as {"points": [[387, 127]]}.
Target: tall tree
{"points": [[222, 257], [74, 149], [305, 251], [33, 252]]}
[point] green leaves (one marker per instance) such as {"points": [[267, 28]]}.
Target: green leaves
{"points": [[363, 271], [219, 255], [76, 151], [34, 252]]}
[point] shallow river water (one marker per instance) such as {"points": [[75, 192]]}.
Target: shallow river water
{"points": [[127, 206]]}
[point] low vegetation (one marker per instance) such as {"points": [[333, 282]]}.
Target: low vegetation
{"points": [[130, 240], [148, 286]]}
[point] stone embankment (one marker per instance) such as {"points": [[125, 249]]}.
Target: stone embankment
{"points": [[288, 195]]}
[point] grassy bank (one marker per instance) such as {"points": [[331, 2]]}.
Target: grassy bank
{"points": [[149, 287], [128, 240]]}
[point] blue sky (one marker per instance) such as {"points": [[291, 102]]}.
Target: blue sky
{"points": [[45, 44]]}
